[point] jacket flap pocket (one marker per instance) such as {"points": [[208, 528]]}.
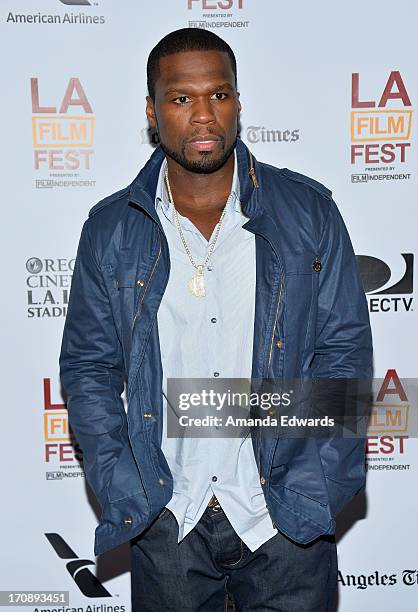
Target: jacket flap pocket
{"points": [[302, 263], [125, 278], [133, 273]]}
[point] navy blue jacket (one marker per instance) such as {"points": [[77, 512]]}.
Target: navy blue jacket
{"points": [[311, 320]]}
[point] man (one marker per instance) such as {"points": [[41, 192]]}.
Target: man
{"points": [[212, 265]]}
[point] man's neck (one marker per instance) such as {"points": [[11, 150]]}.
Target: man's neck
{"points": [[200, 197]]}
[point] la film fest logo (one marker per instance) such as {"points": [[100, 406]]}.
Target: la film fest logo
{"points": [[389, 424], [216, 14], [48, 283], [62, 135], [380, 129], [388, 285], [59, 442]]}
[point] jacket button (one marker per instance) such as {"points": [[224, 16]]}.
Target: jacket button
{"points": [[279, 344], [317, 266], [140, 282], [147, 415], [128, 520], [263, 480], [161, 481], [274, 525]]}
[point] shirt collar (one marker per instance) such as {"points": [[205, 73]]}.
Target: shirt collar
{"points": [[162, 200]]}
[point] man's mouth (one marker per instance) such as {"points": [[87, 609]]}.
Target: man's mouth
{"points": [[204, 143]]}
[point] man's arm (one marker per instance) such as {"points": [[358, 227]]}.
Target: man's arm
{"points": [[91, 368], [343, 349]]}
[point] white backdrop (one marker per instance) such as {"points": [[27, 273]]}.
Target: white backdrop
{"points": [[74, 130]]}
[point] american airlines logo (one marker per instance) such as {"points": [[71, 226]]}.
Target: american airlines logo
{"points": [[76, 2], [78, 569]]}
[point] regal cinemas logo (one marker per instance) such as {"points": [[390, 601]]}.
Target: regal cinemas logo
{"points": [[380, 130], [48, 283], [59, 441], [388, 285], [62, 135], [389, 424]]}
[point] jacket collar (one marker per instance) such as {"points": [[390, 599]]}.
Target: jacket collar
{"points": [[143, 188]]}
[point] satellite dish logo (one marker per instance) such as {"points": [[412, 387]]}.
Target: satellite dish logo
{"points": [[381, 282]]}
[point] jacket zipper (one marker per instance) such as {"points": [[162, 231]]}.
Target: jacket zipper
{"points": [[274, 326], [146, 287]]}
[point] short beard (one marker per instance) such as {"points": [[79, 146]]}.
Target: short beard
{"points": [[204, 165]]}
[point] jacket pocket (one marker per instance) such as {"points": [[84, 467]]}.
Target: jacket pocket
{"points": [[302, 263], [126, 283], [302, 272], [296, 467], [300, 516]]}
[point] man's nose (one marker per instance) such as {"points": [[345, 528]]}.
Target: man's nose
{"points": [[203, 111]]}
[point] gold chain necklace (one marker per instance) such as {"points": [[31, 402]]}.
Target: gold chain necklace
{"points": [[197, 283]]}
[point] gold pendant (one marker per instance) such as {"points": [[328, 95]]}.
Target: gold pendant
{"points": [[197, 283]]}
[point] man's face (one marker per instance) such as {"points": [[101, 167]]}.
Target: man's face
{"points": [[196, 109]]}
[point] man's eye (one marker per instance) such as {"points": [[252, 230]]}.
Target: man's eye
{"points": [[220, 95], [181, 100]]}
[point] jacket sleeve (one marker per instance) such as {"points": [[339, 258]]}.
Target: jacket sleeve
{"points": [[91, 369], [343, 350]]}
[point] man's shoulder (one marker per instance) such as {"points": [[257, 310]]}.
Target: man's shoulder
{"points": [[105, 217], [117, 202], [118, 199], [294, 180]]}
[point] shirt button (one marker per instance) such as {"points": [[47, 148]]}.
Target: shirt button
{"points": [[128, 520], [216, 374], [214, 478], [209, 268], [213, 319]]}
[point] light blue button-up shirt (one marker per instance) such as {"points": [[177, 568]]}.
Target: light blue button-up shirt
{"points": [[206, 337]]}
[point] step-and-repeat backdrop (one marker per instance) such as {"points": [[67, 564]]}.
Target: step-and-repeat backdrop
{"points": [[328, 89]]}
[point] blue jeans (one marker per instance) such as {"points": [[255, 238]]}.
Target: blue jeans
{"points": [[212, 562]]}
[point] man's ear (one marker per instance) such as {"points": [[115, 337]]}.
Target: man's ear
{"points": [[239, 104], [150, 112]]}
